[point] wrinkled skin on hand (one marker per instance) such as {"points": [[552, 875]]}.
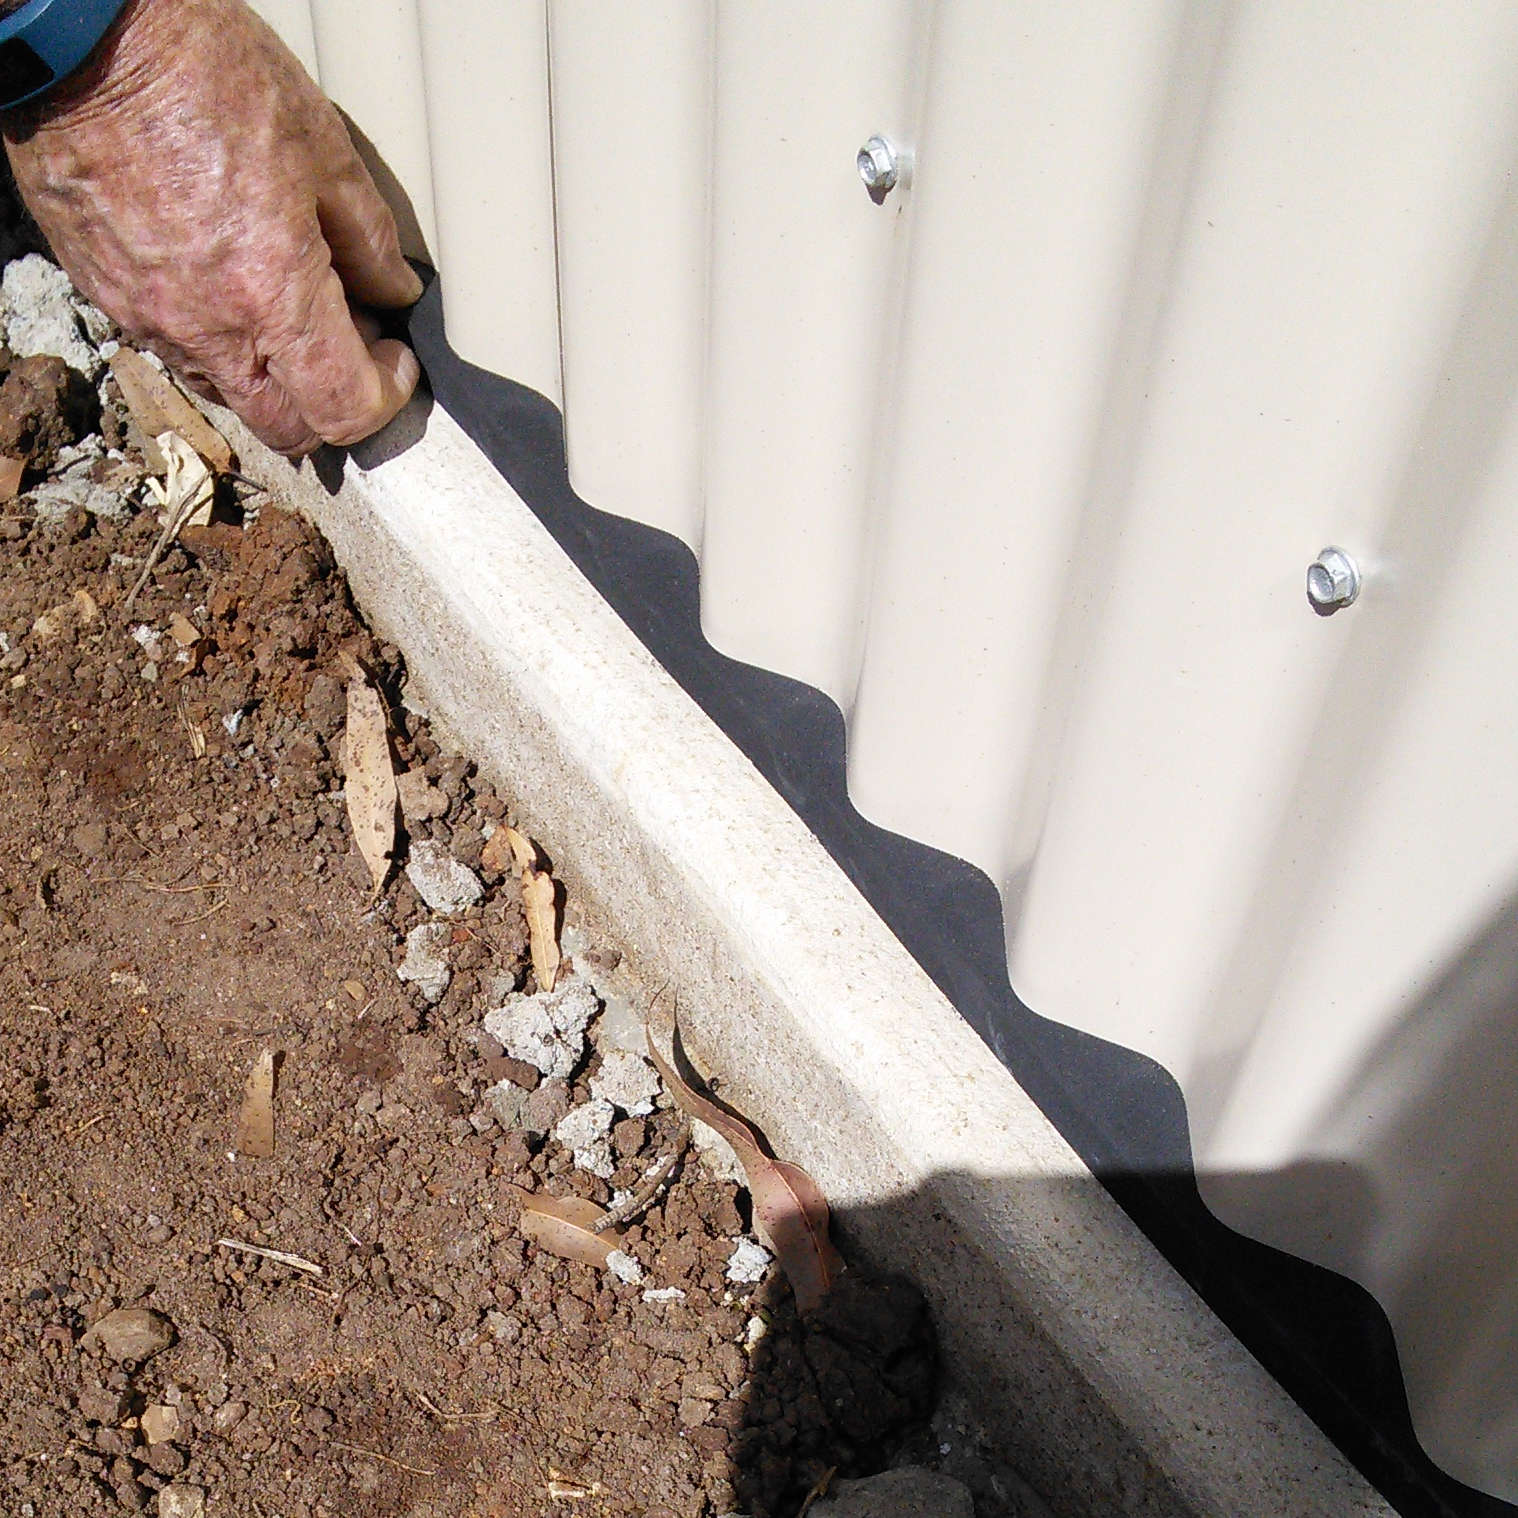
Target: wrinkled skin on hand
{"points": [[201, 190]]}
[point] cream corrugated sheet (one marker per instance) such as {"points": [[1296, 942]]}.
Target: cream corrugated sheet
{"points": [[1024, 467]]}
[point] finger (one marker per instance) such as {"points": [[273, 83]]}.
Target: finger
{"points": [[342, 387], [267, 407], [365, 246]]}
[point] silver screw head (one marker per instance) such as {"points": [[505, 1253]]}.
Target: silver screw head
{"points": [[878, 167], [1333, 581]]}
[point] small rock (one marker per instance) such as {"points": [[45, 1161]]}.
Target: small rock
{"points": [[505, 1101], [693, 1413], [628, 1081], [426, 963], [546, 1029], [911, 1492], [159, 1423], [101, 1404], [585, 1131], [716, 1153], [167, 1459], [747, 1263], [420, 800], [131, 1333], [503, 1327], [663, 1294], [441, 881], [544, 1108], [181, 1501], [228, 1416]]}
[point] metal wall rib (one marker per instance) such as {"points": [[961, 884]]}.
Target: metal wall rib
{"points": [[1024, 467]]}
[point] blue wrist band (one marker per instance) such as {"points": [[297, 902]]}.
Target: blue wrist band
{"points": [[46, 40]]}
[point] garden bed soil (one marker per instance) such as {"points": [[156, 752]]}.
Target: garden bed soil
{"points": [[180, 893]]}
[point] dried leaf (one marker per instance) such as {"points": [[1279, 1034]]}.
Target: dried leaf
{"points": [[563, 1226], [11, 471], [158, 405], [790, 1211], [369, 781], [186, 496], [255, 1122], [188, 490], [506, 847], [542, 927]]}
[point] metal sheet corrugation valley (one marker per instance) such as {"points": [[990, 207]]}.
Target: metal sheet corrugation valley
{"points": [[1024, 467]]}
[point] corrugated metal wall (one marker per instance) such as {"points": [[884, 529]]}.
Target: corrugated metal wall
{"points": [[1024, 466]]}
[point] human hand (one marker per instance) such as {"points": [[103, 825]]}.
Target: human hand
{"points": [[200, 189]]}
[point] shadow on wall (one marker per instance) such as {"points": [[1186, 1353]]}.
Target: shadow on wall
{"points": [[1322, 1336]]}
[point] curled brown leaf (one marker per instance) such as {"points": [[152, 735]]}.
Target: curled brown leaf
{"points": [[790, 1210]]}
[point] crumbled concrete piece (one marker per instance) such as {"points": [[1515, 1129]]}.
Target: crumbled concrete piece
{"points": [[159, 1422], [52, 500], [663, 1294], [420, 800], [441, 881], [504, 1101], [747, 1263], [80, 458], [546, 1029], [911, 1492], [131, 1333], [585, 1131], [628, 1081], [43, 313], [426, 963], [181, 1501], [624, 1267], [716, 1153], [542, 1110]]}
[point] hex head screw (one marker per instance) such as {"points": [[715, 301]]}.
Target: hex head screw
{"points": [[1333, 581], [878, 167]]}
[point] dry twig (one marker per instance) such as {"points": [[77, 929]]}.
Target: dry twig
{"points": [[279, 1256], [644, 1194], [374, 1454]]}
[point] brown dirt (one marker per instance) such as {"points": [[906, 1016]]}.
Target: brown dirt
{"points": [[165, 915]]}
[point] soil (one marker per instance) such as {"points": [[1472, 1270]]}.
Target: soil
{"points": [[179, 892]]}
